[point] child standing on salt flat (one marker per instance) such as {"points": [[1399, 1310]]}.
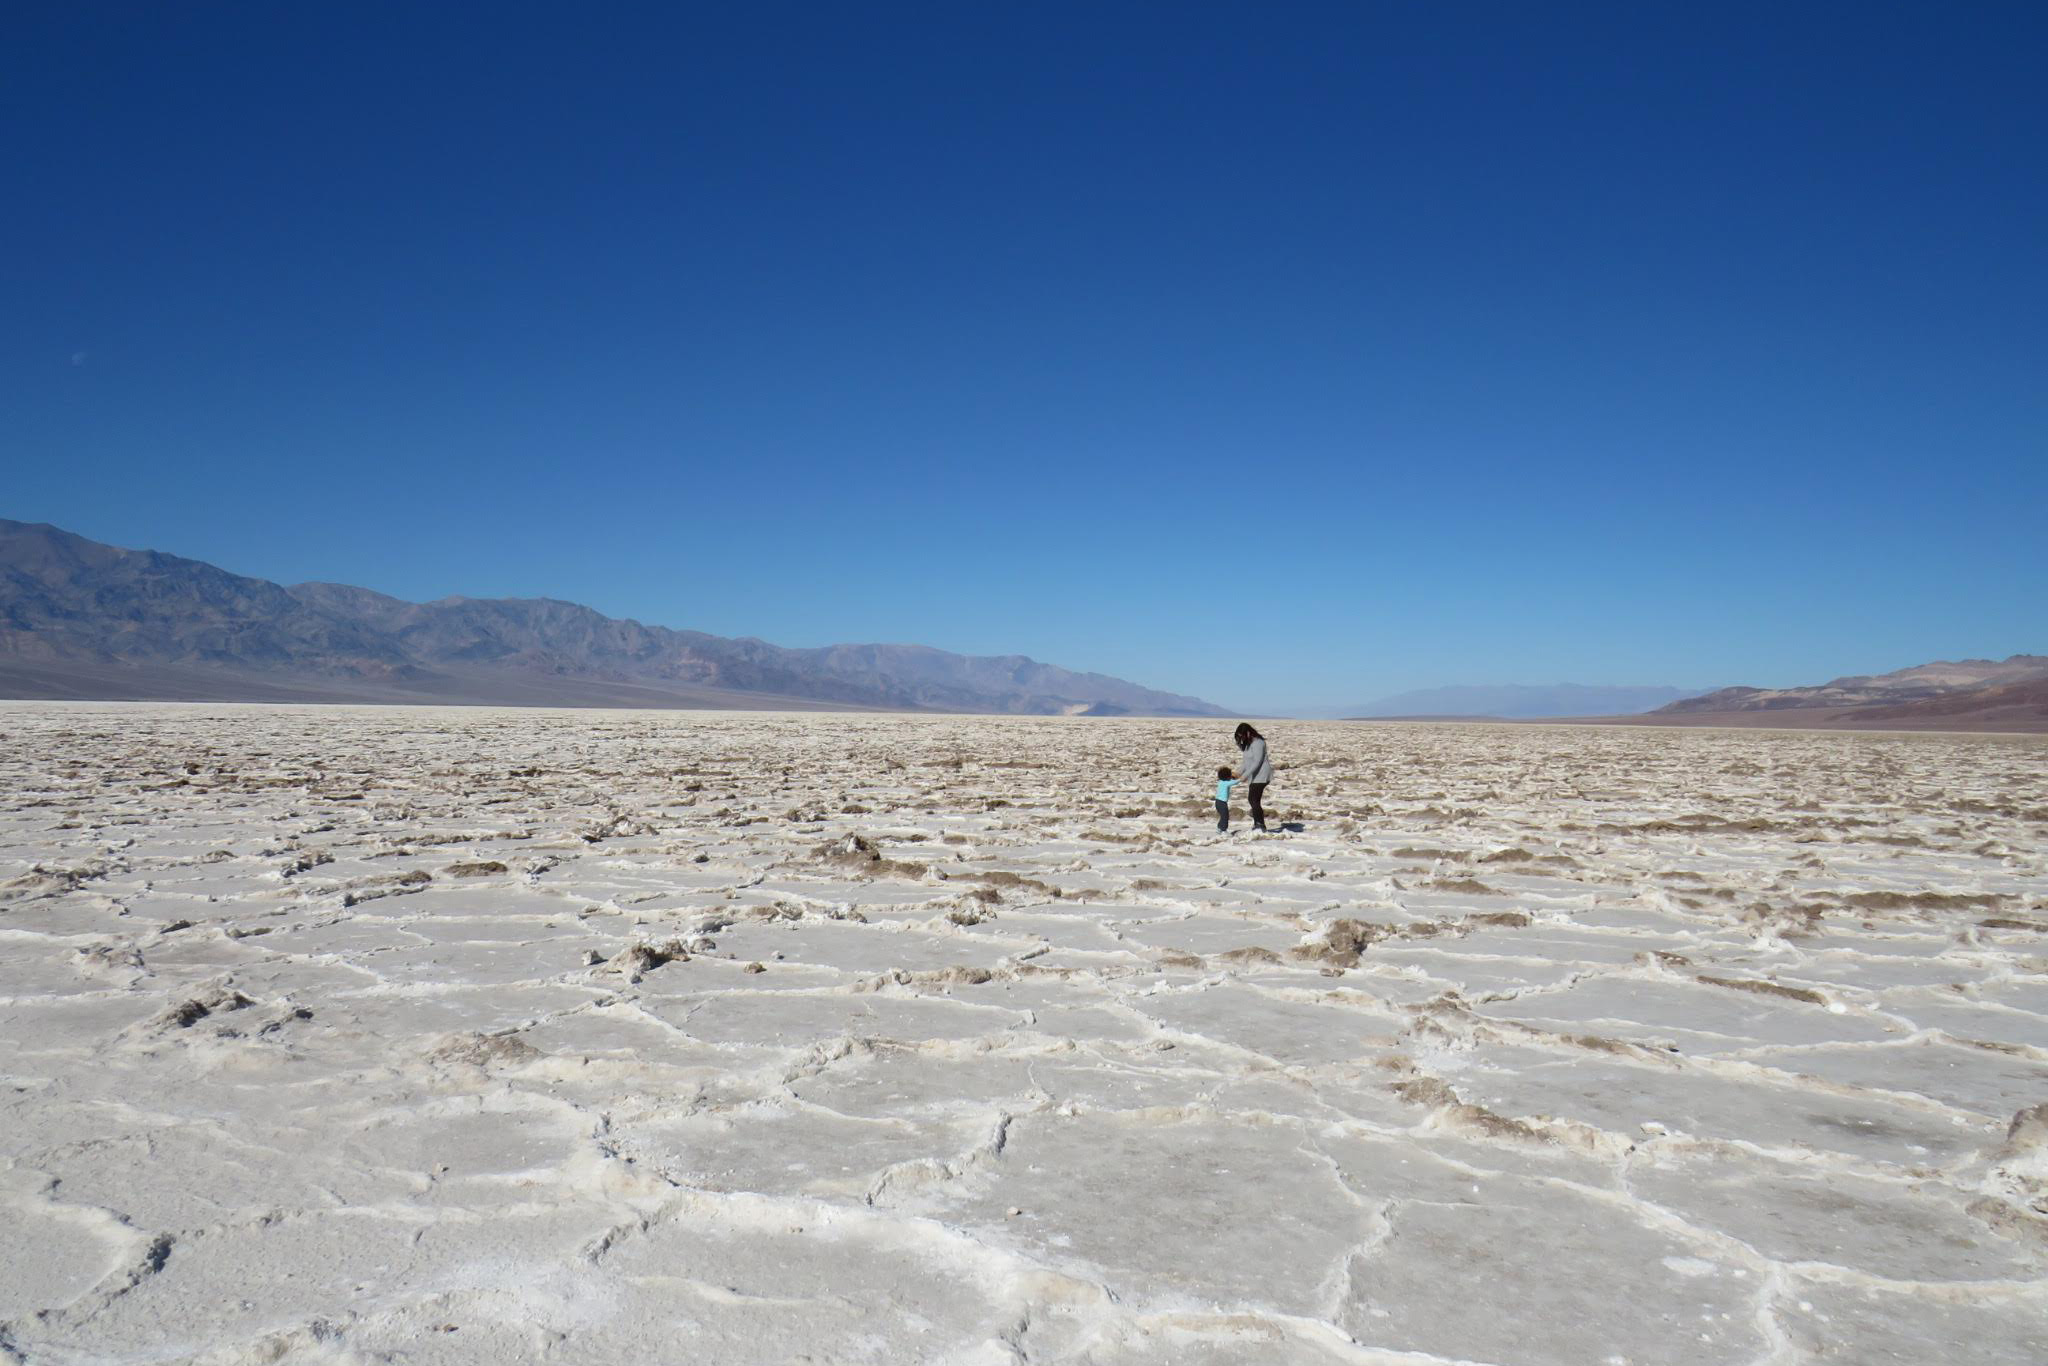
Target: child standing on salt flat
{"points": [[1224, 782]]}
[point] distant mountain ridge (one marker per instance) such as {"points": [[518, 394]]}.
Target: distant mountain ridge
{"points": [[1964, 694], [83, 619], [1514, 701], [1917, 683], [1960, 695]]}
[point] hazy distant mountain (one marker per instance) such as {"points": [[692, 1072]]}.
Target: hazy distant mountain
{"points": [[1522, 701], [1923, 683], [82, 619]]}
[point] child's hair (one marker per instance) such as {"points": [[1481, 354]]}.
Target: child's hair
{"points": [[1223, 770]]}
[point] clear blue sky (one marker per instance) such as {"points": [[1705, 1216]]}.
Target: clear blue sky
{"points": [[1289, 355]]}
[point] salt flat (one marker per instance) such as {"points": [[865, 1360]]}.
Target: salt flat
{"points": [[443, 1035]]}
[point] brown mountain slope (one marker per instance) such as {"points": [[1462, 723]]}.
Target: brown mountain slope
{"points": [[2007, 707], [1941, 678]]}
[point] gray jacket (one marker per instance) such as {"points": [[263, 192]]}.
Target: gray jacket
{"points": [[1255, 766]]}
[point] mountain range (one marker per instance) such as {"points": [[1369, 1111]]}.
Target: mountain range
{"points": [[1962, 694], [1959, 694], [1517, 702], [79, 619]]}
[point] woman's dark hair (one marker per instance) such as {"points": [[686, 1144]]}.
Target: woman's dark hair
{"points": [[1244, 734]]}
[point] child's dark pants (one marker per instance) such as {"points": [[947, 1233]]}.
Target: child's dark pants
{"points": [[1222, 815]]}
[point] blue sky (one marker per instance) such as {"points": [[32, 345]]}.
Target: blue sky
{"points": [[1288, 355]]}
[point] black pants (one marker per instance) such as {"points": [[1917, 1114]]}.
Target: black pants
{"points": [[1257, 791], [1222, 815]]}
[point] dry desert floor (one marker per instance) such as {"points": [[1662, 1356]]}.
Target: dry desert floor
{"points": [[417, 1035]]}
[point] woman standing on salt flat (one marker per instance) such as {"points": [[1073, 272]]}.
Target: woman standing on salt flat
{"points": [[1256, 768]]}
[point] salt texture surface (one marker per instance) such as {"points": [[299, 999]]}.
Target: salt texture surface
{"points": [[444, 1035]]}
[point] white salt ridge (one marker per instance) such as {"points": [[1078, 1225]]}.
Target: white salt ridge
{"points": [[325, 1038]]}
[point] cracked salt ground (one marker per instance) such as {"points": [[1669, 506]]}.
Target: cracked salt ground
{"points": [[355, 1035]]}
